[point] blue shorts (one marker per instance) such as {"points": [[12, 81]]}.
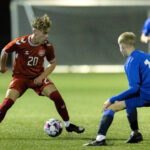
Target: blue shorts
{"points": [[134, 102]]}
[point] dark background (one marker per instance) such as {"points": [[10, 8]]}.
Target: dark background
{"points": [[81, 35], [4, 24], [88, 35]]}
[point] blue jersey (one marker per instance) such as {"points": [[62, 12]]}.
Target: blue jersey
{"points": [[146, 27], [137, 68]]}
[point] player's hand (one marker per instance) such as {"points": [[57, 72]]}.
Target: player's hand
{"points": [[106, 105], [3, 70], [38, 81]]}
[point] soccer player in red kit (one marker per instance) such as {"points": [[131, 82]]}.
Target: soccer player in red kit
{"points": [[28, 71]]}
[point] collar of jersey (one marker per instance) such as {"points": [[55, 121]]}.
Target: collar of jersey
{"points": [[29, 40]]}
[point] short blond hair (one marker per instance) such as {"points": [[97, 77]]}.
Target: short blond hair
{"points": [[42, 23], [128, 38]]}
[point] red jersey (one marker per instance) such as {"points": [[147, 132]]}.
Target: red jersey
{"points": [[29, 58]]}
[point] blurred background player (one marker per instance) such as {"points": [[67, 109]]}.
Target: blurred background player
{"points": [[137, 68], [145, 38], [28, 71]]}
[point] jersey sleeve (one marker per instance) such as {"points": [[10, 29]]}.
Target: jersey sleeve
{"points": [[134, 73], [134, 82], [146, 27], [10, 47], [50, 55]]}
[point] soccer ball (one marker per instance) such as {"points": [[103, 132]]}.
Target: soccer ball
{"points": [[53, 127]]}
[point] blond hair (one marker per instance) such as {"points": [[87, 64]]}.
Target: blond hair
{"points": [[128, 38], [42, 23]]}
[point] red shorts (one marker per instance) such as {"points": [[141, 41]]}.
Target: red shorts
{"points": [[22, 84]]}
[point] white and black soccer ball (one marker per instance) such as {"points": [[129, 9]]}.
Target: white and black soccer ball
{"points": [[53, 127]]}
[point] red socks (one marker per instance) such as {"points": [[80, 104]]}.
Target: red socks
{"points": [[7, 103], [60, 105], [55, 96]]}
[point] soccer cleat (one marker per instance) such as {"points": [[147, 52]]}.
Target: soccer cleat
{"points": [[74, 128], [96, 143], [135, 138]]}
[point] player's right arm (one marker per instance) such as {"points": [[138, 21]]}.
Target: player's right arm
{"points": [[3, 61], [134, 82], [145, 32], [9, 48], [145, 38]]}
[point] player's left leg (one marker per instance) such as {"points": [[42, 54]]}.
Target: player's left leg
{"points": [[131, 110], [136, 136], [51, 92], [48, 89], [106, 122]]}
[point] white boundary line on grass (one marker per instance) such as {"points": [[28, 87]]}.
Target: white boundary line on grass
{"points": [[89, 69]]}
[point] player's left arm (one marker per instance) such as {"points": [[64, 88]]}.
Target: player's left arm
{"points": [[50, 56], [49, 69]]}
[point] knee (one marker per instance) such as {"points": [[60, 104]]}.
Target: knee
{"points": [[109, 112], [48, 90], [12, 94]]}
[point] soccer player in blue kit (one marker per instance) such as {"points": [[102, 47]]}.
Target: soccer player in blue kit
{"points": [[145, 38], [137, 68]]}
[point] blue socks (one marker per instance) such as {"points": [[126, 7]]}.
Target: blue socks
{"points": [[132, 118], [108, 118], [106, 122]]}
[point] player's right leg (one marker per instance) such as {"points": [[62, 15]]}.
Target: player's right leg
{"points": [[11, 96], [16, 88], [106, 122]]}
